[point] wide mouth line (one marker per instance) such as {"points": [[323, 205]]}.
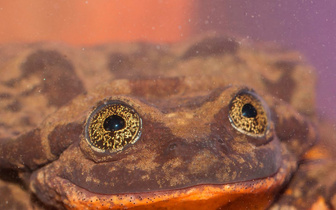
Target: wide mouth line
{"points": [[78, 197], [278, 175]]}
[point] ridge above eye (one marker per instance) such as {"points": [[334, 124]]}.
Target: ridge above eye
{"points": [[248, 114], [112, 126]]}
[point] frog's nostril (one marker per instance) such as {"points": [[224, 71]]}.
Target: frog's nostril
{"points": [[176, 148], [172, 146]]}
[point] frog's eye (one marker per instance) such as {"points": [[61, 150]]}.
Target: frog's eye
{"points": [[248, 114], [112, 126]]}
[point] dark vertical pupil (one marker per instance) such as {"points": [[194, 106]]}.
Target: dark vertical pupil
{"points": [[114, 123], [249, 111]]}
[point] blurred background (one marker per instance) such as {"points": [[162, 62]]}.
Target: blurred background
{"points": [[308, 26]]}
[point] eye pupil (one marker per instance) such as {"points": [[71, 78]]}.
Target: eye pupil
{"points": [[114, 123], [249, 111]]}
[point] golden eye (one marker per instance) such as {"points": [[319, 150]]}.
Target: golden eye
{"points": [[248, 114], [112, 126]]}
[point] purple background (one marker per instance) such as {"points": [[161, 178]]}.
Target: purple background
{"points": [[308, 26]]}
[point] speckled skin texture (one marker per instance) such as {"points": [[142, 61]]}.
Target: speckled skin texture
{"points": [[188, 154]]}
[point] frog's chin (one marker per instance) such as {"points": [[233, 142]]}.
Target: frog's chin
{"points": [[259, 192]]}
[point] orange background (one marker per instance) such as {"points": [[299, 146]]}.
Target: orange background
{"points": [[306, 26], [95, 21]]}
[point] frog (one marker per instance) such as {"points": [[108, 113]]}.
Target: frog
{"points": [[209, 123]]}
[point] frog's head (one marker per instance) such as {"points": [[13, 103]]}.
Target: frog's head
{"points": [[163, 143]]}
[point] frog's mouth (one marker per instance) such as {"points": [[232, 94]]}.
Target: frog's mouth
{"points": [[254, 193]]}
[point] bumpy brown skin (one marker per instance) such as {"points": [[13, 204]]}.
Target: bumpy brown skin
{"points": [[189, 154]]}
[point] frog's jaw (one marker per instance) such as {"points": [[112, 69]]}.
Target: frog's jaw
{"points": [[256, 194]]}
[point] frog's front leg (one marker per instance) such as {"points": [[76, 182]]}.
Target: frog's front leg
{"points": [[314, 184], [13, 196]]}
